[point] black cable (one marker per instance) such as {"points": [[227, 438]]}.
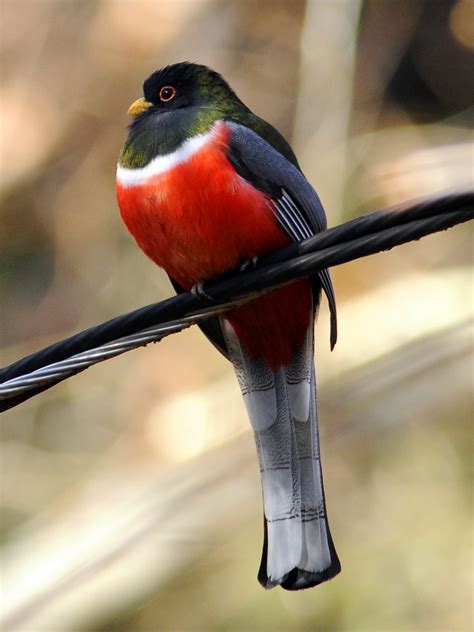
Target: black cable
{"points": [[357, 238]]}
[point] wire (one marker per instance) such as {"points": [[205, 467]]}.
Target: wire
{"points": [[360, 237]]}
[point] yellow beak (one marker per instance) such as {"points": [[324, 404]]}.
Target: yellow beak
{"points": [[138, 106]]}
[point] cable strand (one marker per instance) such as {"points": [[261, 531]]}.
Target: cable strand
{"points": [[360, 237]]}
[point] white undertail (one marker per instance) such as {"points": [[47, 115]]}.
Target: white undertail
{"points": [[282, 410]]}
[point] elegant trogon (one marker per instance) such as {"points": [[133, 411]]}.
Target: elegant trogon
{"points": [[205, 186]]}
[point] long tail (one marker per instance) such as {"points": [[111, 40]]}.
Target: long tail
{"points": [[298, 551]]}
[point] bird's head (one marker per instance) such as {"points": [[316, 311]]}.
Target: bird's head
{"points": [[184, 85], [179, 101]]}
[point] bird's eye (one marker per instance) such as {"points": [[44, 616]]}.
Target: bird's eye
{"points": [[167, 93]]}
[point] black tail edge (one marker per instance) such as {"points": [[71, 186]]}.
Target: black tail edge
{"points": [[297, 578]]}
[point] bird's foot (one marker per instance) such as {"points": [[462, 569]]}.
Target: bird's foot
{"points": [[199, 291], [249, 264]]}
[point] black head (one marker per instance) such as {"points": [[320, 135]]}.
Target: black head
{"points": [[183, 85]]}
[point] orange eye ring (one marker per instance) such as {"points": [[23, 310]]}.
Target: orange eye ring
{"points": [[167, 93]]}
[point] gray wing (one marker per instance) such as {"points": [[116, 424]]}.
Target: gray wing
{"points": [[298, 208]]}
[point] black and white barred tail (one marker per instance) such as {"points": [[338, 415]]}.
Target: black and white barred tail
{"points": [[298, 551]]}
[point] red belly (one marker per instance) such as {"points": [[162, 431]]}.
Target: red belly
{"points": [[201, 219]]}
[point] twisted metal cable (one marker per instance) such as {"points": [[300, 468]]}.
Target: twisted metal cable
{"points": [[357, 238], [63, 369]]}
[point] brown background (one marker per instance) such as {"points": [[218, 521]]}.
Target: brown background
{"points": [[130, 493]]}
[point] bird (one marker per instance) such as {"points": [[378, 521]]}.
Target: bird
{"points": [[205, 186]]}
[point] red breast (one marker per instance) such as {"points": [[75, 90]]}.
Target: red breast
{"points": [[197, 218]]}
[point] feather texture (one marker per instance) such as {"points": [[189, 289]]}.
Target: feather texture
{"points": [[203, 185], [298, 551]]}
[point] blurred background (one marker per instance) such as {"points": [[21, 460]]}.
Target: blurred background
{"points": [[130, 494]]}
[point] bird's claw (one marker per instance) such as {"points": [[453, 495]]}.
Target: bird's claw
{"points": [[249, 264], [199, 291]]}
